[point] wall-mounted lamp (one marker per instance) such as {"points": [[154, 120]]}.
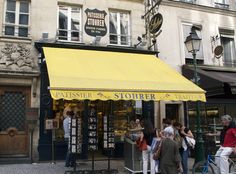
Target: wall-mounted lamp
{"points": [[141, 43], [154, 41]]}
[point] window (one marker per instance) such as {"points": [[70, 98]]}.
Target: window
{"points": [[188, 1], [119, 28], [227, 41], [16, 18], [69, 24], [188, 56], [221, 4]]}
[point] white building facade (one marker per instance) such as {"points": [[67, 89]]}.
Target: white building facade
{"points": [[24, 23], [216, 23]]}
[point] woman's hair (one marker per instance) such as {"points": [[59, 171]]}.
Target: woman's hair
{"points": [[148, 128], [226, 117], [166, 121], [177, 124]]}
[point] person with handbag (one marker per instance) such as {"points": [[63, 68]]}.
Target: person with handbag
{"points": [[155, 147], [187, 143], [169, 154], [145, 140]]}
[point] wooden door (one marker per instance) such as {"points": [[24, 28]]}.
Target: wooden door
{"points": [[13, 127]]}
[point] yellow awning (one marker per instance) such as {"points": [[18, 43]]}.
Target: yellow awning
{"points": [[102, 75]]}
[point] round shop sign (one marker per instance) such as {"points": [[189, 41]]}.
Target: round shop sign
{"points": [[155, 23]]}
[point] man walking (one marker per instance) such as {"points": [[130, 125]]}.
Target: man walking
{"points": [[70, 162]]}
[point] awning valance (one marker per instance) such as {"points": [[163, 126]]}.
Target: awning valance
{"points": [[102, 75], [215, 80]]}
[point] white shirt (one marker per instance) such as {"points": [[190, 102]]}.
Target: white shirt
{"points": [[66, 127]]}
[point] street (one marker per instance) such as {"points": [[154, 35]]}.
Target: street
{"points": [[58, 167]]}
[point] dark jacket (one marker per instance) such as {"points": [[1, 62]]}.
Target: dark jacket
{"points": [[170, 152]]}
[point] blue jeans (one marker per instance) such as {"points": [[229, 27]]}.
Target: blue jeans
{"points": [[70, 158], [184, 155]]}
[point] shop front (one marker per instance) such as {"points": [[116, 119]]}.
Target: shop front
{"points": [[219, 83], [108, 90]]}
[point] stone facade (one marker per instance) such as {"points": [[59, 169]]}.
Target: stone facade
{"points": [[16, 57], [19, 58]]}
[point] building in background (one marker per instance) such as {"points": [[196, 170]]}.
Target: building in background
{"points": [[216, 23]]}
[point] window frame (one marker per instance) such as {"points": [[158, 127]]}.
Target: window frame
{"points": [[69, 31], [188, 56], [129, 37], [232, 48], [16, 25]]}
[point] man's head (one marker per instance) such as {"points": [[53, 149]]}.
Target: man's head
{"points": [[67, 111], [226, 119]]}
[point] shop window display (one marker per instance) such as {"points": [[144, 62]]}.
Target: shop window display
{"points": [[108, 122]]}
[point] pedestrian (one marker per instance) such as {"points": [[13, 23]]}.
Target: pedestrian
{"points": [[185, 134], [228, 144], [148, 134], [70, 161], [155, 147], [170, 160], [166, 124]]}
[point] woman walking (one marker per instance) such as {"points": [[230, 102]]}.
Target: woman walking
{"points": [[148, 134], [185, 134]]}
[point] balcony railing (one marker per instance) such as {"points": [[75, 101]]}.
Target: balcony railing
{"points": [[221, 5], [119, 39], [189, 1], [69, 35], [229, 63], [12, 30]]}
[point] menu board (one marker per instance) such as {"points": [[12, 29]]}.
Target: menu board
{"points": [[109, 135], [92, 130], [75, 139]]}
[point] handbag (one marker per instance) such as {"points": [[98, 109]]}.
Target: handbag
{"points": [[141, 145], [190, 142], [157, 152]]}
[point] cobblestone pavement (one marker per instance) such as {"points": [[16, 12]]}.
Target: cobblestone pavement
{"points": [[58, 167]]}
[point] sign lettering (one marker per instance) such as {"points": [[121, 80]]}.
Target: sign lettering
{"points": [[95, 24], [155, 23]]}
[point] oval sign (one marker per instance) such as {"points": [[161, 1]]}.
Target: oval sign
{"points": [[155, 23], [218, 51]]}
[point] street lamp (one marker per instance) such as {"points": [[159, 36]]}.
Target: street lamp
{"points": [[192, 44]]}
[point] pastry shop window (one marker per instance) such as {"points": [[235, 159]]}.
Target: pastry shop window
{"points": [[121, 114]]}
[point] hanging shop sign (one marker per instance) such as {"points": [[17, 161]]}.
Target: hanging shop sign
{"points": [[95, 24], [155, 23]]}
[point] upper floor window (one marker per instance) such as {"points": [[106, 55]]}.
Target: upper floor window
{"points": [[119, 27], [228, 43], [16, 19], [188, 56], [221, 4], [69, 23]]}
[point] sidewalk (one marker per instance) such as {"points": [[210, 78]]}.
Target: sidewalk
{"points": [[58, 168]]}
